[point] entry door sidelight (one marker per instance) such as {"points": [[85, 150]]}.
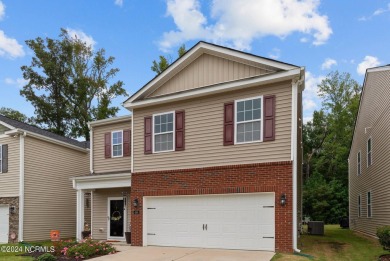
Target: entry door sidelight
{"points": [[116, 218]]}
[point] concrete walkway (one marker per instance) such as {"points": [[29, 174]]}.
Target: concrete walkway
{"points": [[129, 253]]}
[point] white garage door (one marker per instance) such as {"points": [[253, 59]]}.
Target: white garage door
{"points": [[234, 221], [4, 224]]}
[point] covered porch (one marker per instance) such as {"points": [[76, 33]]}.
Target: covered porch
{"points": [[109, 209]]}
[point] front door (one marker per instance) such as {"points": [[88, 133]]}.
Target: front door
{"points": [[116, 218]]}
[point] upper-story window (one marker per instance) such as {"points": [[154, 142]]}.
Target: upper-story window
{"points": [[248, 120], [359, 205], [369, 204], [117, 144], [369, 152], [359, 165], [163, 126]]}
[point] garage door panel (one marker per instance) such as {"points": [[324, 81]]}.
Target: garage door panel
{"points": [[236, 221]]}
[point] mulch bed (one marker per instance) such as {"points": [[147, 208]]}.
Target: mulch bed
{"points": [[384, 257]]}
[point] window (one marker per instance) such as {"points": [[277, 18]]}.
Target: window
{"points": [[248, 120], [1, 158], [359, 205], [369, 152], [359, 163], [117, 144], [163, 132], [369, 205]]}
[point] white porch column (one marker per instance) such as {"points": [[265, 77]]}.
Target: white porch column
{"points": [[80, 214]]}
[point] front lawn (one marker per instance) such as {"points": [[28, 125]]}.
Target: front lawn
{"points": [[337, 244]]}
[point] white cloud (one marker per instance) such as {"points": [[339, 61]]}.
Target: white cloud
{"points": [[311, 100], [275, 54], [368, 62], [303, 40], [119, 2], [75, 33], [2, 10], [19, 82], [328, 63], [9, 47], [239, 22], [377, 12]]}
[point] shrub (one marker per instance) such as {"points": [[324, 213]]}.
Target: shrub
{"points": [[89, 248], [46, 257], [383, 234], [61, 245]]}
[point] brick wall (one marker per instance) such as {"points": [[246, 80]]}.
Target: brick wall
{"points": [[262, 177]]}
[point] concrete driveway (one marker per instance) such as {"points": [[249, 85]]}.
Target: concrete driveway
{"points": [[151, 253]]}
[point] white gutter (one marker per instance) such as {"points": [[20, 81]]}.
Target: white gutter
{"points": [[21, 186], [294, 156]]}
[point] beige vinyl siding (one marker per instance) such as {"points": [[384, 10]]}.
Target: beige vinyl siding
{"points": [[100, 211], [50, 200], [208, 70], [375, 114], [9, 182], [204, 133], [100, 163]]}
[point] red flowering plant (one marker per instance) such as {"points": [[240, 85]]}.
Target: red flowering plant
{"points": [[89, 248]]}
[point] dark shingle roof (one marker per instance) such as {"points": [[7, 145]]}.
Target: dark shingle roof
{"points": [[30, 128]]}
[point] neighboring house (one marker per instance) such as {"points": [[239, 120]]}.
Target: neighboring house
{"points": [[36, 195], [109, 180], [369, 158], [215, 156]]}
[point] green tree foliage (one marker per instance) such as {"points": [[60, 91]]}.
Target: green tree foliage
{"points": [[16, 115], [327, 139], [164, 62], [69, 84]]}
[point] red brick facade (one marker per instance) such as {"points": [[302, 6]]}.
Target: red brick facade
{"points": [[261, 177]]}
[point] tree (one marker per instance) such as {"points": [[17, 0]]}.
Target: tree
{"points": [[70, 85], [16, 115], [164, 62], [326, 143]]}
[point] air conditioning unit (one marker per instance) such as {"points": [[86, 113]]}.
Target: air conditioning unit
{"points": [[315, 227]]}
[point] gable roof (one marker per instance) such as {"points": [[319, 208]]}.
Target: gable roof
{"points": [[196, 51], [14, 124], [368, 70]]}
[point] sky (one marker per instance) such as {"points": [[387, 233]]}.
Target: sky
{"points": [[348, 36]]}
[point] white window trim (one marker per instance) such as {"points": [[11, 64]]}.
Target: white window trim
{"points": [[359, 163], [1, 158], [359, 205], [370, 203], [112, 144], [173, 131], [261, 120], [369, 139]]}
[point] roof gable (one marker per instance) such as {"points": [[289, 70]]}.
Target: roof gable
{"points": [[208, 70], [196, 55]]}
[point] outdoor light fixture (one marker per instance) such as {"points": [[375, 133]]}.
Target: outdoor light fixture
{"points": [[12, 209], [283, 200], [135, 203]]}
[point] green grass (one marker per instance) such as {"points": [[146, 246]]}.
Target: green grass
{"points": [[337, 244]]}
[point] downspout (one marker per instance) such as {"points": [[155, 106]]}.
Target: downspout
{"points": [[132, 141], [294, 136], [90, 149], [21, 186]]}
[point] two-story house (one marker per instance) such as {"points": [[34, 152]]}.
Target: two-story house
{"points": [[369, 158], [36, 195], [108, 181], [215, 156]]}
